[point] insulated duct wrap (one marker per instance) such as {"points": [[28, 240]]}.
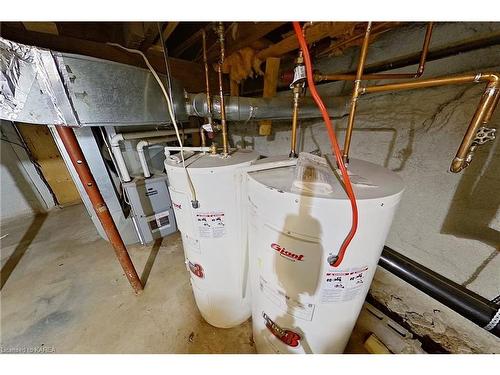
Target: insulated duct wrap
{"points": [[31, 89], [43, 87]]}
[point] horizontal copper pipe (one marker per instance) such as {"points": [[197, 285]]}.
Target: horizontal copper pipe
{"points": [[440, 81], [484, 111], [420, 70]]}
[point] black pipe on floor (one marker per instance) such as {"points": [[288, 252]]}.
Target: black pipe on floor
{"points": [[458, 298]]}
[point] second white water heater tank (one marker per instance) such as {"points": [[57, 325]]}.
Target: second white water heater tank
{"points": [[300, 302], [214, 234]]}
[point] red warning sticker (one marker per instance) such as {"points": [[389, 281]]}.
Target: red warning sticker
{"points": [[196, 269], [286, 336]]}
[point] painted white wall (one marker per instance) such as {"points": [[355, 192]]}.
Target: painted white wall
{"points": [[22, 192]]}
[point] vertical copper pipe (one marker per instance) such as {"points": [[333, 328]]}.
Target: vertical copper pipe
{"points": [[491, 109], [295, 120], [425, 49], [466, 150], [207, 79], [355, 93], [225, 146], [78, 160]]}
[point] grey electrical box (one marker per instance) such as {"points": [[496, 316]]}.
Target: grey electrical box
{"points": [[151, 207]]}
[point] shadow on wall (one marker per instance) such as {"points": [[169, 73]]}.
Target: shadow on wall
{"points": [[20, 190], [477, 199]]}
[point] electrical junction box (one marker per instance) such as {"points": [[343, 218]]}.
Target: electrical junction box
{"points": [[151, 206]]}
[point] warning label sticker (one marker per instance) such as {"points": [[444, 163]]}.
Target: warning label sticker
{"points": [[211, 224], [285, 303], [343, 285]]}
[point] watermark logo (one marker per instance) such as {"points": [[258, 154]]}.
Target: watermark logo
{"points": [[42, 349]]}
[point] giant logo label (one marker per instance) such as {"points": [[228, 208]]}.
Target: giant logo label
{"points": [[286, 336], [287, 253]]}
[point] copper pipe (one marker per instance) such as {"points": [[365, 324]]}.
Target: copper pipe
{"points": [[491, 109], [202, 137], [225, 145], [420, 69], [430, 82], [355, 93], [295, 118], [82, 169], [207, 79], [467, 147], [484, 111]]}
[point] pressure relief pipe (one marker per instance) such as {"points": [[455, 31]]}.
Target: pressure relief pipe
{"points": [[335, 146]]}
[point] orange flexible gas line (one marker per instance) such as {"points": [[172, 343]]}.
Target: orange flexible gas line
{"points": [[333, 140]]}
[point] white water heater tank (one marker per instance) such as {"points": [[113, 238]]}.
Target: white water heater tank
{"points": [[300, 303], [214, 234]]}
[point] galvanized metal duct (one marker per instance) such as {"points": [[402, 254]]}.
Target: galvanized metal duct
{"points": [[40, 86], [239, 108]]}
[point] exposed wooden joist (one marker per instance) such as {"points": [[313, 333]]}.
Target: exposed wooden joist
{"points": [[189, 42], [169, 29], [314, 33], [271, 78], [151, 35], [191, 74], [247, 33], [42, 27]]}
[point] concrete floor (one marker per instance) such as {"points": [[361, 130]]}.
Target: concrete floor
{"points": [[64, 292], [68, 292]]}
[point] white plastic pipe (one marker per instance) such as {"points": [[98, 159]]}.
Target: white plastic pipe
{"points": [[175, 148], [145, 143], [119, 137]]}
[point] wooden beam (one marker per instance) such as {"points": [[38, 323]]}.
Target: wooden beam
{"points": [[189, 73], [271, 77], [314, 33], [248, 33], [169, 29], [189, 42], [42, 27], [151, 35]]}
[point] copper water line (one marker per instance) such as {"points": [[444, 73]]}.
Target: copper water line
{"points": [[420, 69], [225, 147], [207, 79], [491, 109], [484, 111], [493, 78], [75, 153], [355, 93], [295, 118]]}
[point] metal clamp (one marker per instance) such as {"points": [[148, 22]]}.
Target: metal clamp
{"points": [[493, 322]]}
